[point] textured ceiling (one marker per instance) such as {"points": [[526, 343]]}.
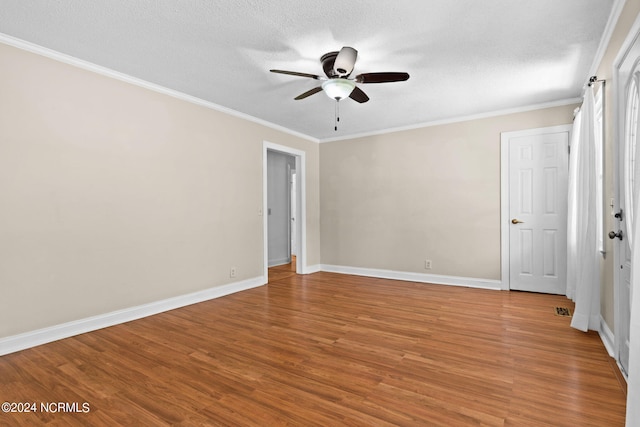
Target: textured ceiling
{"points": [[465, 57]]}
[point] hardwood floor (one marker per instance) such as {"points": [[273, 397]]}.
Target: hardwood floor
{"points": [[283, 271], [329, 350]]}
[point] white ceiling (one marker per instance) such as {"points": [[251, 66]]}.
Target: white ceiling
{"points": [[465, 57]]}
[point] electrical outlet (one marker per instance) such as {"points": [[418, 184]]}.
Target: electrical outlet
{"points": [[232, 272], [427, 264]]}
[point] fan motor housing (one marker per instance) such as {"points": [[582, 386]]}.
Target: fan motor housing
{"points": [[328, 59]]}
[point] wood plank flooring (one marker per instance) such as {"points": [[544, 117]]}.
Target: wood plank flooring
{"points": [[329, 350]]}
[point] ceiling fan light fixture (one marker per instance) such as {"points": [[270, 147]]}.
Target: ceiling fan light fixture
{"points": [[338, 88]]}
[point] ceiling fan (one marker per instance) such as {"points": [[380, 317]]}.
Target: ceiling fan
{"points": [[337, 85]]}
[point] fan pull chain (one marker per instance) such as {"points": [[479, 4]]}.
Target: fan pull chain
{"points": [[337, 114]]}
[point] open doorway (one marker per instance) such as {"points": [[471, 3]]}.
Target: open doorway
{"points": [[280, 167], [284, 218]]}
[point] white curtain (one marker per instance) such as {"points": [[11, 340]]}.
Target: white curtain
{"points": [[572, 229], [583, 267]]}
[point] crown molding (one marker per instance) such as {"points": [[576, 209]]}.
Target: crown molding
{"points": [[89, 66], [459, 119]]}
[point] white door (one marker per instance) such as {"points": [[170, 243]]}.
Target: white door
{"points": [[628, 84], [537, 209]]}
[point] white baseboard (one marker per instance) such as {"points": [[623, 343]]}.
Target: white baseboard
{"points": [[607, 337], [415, 277], [310, 269], [42, 336]]}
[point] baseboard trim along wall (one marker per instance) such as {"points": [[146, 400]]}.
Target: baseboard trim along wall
{"points": [[310, 269], [42, 336], [436, 279], [607, 337]]}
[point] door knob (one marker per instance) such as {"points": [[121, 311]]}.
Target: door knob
{"points": [[613, 234], [516, 221]]}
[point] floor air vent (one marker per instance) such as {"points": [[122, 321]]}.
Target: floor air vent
{"points": [[563, 311]]}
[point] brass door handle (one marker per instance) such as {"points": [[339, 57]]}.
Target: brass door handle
{"points": [[516, 221]]}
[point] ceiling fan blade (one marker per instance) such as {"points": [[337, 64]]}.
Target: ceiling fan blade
{"points": [[358, 95], [346, 59], [381, 77], [295, 73], [308, 93]]}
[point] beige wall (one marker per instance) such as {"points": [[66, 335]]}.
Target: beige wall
{"points": [[112, 195], [605, 71], [392, 201]]}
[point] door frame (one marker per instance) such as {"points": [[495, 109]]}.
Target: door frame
{"points": [[293, 178], [301, 221], [505, 229]]}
